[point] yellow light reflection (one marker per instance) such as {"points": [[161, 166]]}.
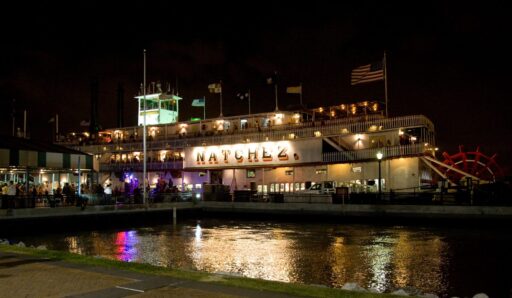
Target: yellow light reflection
{"points": [[380, 255], [409, 255], [73, 245], [255, 255]]}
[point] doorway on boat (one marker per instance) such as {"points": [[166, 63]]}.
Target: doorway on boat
{"points": [[216, 176]]}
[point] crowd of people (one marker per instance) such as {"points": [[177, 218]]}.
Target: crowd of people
{"points": [[18, 195], [15, 195]]}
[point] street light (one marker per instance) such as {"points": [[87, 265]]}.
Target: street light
{"points": [[144, 145], [379, 158]]}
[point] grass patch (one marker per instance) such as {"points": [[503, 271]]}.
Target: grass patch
{"points": [[249, 283]]}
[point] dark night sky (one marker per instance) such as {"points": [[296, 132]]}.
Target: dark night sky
{"points": [[450, 62]]}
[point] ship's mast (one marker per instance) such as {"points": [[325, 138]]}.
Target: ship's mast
{"points": [[144, 151]]}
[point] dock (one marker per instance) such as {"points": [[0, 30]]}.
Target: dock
{"points": [[266, 208]]}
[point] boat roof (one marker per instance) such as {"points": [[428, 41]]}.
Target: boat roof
{"points": [[9, 142]]}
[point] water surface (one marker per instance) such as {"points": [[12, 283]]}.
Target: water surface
{"points": [[444, 261]]}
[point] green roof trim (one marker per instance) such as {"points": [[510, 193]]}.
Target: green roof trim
{"points": [[14, 157], [66, 160], [41, 159], [88, 162]]}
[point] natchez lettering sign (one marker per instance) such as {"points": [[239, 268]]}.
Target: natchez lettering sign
{"points": [[254, 154]]}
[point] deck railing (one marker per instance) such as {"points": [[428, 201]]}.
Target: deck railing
{"points": [[137, 166], [456, 196], [370, 154]]}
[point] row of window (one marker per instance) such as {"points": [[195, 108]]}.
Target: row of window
{"points": [[283, 187], [288, 187]]}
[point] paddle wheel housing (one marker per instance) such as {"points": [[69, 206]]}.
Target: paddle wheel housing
{"points": [[474, 163]]}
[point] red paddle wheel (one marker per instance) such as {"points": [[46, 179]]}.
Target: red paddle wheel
{"points": [[474, 163]]}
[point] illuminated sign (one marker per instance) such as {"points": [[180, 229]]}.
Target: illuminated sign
{"points": [[253, 154], [356, 169]]}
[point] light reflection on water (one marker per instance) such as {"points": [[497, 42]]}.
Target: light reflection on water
{"points": [[126, 243], [244, 251], [382, 258]]}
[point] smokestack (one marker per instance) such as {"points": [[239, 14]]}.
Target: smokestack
{"points": [[94, 105], [120, 105]]}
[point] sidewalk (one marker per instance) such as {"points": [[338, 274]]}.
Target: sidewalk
{"points": [[26, 276]]}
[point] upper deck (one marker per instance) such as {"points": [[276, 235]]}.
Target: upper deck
{"points": [[354, 118], [359, 133]]}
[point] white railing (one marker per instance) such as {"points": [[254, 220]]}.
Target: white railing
{"points": [[327, 128], [137, 166], [329, 157], [370, 154]]}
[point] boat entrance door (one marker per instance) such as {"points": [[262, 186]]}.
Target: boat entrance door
{"points": [[216, 176]]}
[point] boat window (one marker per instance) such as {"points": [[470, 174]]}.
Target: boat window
{"points": [[243, 124]]}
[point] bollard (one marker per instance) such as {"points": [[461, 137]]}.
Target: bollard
{"points": [[174, 215]]}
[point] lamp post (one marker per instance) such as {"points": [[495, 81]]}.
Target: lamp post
{"points": [[379, 159], [144, 145]]}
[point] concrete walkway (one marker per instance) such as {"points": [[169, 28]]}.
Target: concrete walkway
{"points": [[300, 209], [25, 276]]}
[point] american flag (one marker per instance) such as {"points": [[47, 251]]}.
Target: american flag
{"points": [[367, 73]]}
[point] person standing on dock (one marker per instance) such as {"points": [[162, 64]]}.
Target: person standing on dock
{"points": [[108, 194], [11, 195], [5, 188]]}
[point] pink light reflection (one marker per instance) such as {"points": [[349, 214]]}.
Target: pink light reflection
{"points": [[126, 249]]}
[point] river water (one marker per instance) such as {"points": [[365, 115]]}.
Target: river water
{"points": [[442, 260]]}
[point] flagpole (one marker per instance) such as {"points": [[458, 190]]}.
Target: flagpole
{"points": [[249, 101], [220, 84], [301, 95], [25, 124], [144, 138], [56, 126], [386, 83], [79, 184], [14, 117], [275, 89]]}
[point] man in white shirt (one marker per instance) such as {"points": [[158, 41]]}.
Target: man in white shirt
{"points": [[3, 200], [108, 194], [11, 194]]}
